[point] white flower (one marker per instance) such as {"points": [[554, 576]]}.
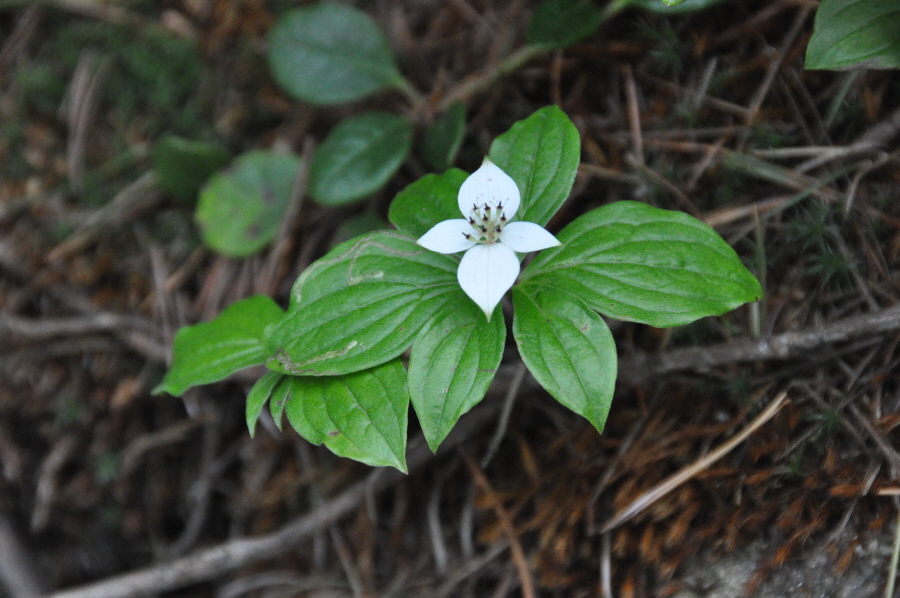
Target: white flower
{"points": [[488, 199]]}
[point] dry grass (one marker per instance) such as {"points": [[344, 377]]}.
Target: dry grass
{"points": [[711, 114]]}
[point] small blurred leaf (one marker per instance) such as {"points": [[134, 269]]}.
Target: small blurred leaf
{"points": [[358, 157], [561, 23], [426, 202], [330, 53], [183, 166], [661, 6], [855, 34], [241, 208], [442, 140], [214, 350]]}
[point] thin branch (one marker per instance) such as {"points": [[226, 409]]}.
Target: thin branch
{"points": [[138, 198], [17, 576], [895, 558], [212, 562], [481, 81], [782, 346], [33, 329], [511, 394]]}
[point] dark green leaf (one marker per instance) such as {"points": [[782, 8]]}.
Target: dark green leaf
{"points": [[452, 363], [241, 208], [541, 154], [442, 140], [213, 350], [426, 202], [358, 157], [362, 416], [568, 348], [561, 23], [635, 262], [331, 53], [361, 305], [855, 34], [183, 166]]}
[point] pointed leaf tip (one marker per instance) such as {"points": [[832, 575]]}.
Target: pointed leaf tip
{"points": [[486, 272]]}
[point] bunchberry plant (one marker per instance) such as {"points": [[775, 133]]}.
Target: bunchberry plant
{"points": [[336, 356]]}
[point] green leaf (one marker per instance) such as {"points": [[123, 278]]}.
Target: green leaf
{"points": [[442, 140], [241, 208], [358, 157], [331, 53], [214, 350], [258, 396], [362, 416], [541, 154], [561, 23], [183, 166], [668, 7], [361, 305], [452, 363], [632, 261], [568, 348], [278, 399], [855, 34], [426, 202]]}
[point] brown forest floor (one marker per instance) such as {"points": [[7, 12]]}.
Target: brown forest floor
{"points": [[709, 113]]}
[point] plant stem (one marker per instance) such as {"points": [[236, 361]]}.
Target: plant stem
{"points": [[412, 94], [484, 79]]}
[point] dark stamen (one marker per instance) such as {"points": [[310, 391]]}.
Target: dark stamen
{"points": [[483, 229]]}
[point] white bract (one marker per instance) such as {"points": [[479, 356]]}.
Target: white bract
{"points": [[488, 199]]}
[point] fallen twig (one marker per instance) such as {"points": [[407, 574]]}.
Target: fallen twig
{"points": [[136, 199], [782, 346], [16, 574], [213, 562], [32, 329], [895, 557]]}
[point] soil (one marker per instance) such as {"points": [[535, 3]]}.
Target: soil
{"points": [[709, 112]]}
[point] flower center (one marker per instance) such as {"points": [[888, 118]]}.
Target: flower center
{"points": [[487, 222]]}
